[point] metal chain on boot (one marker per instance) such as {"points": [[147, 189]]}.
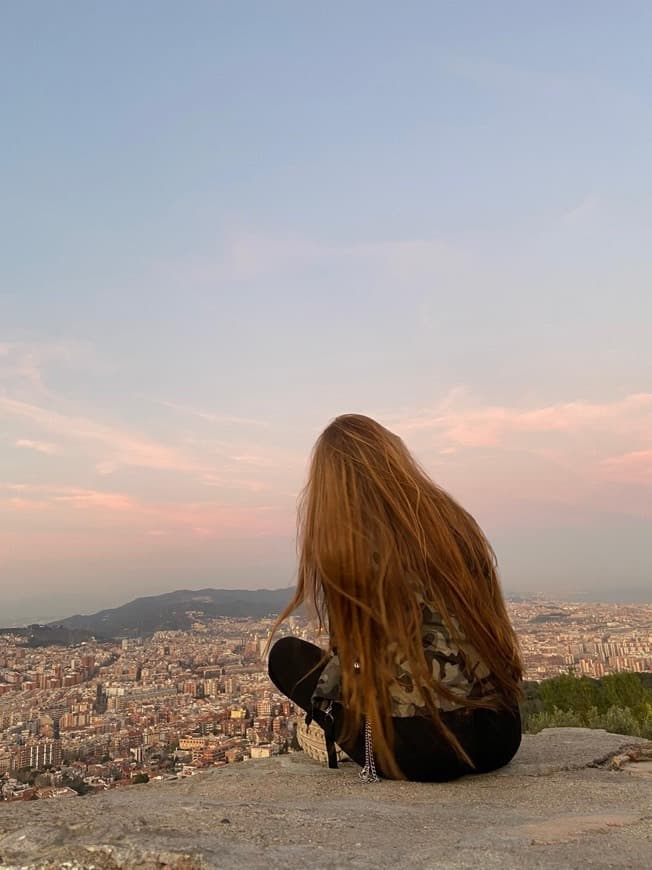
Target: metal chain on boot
{"points": [[368, 772]]}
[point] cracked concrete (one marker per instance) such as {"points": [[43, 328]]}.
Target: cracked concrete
{"points": [[571, 798]]}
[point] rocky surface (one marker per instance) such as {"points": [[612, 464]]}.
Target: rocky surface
{"points": [[572, 798]]}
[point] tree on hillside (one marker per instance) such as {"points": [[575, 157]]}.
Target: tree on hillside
{"points": [[567, 692], [624, 690], [620, 703]]}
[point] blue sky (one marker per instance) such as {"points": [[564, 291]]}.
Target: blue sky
{"points": [[224, 223]]}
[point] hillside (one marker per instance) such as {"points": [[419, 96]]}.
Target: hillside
{"points": [[49, 635], [178, 610]]}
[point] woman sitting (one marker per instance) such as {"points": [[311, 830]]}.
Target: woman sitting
{"points": [[422, 677]]}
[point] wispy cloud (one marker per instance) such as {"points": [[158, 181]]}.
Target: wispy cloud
{"points": [[246, 461], [582, 212], [227, 483], [119, 446], [28, 362], [256, 460], [248, 255], [211, 416], [251, 255], [38, 446], [528, 83]]}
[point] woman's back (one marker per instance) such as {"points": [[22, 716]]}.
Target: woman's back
{"points": [[405, 582], [454, 663]]}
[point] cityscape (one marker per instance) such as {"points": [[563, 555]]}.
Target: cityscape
{"points": [[84, 718]]}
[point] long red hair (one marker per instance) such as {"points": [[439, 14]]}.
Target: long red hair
{"points": [[375, 533]]}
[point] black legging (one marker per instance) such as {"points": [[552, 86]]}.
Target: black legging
{"points": [[491, 738]]}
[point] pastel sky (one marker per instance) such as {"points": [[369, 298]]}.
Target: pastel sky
{"points": [[222, 224]]}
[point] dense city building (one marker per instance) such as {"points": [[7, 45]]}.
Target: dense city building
{"points": [[587, 639]]}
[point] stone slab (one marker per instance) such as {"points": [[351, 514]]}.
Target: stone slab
{"points": [[552, 807], [556, 749]]}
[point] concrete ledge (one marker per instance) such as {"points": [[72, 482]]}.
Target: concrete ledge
{"points": [[559, 804]]}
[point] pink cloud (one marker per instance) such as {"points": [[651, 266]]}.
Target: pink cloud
{"points": [[509, 459], [40, 497], [634, 467], [458, 422], [119, 510]]}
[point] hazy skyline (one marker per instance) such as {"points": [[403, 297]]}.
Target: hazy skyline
{"points": [[224, 224]]}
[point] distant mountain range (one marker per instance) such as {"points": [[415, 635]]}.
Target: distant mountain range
{"points": [[178, 610]]}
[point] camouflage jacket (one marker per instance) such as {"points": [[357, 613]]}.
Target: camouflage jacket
{"points": [[455, 665]]}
